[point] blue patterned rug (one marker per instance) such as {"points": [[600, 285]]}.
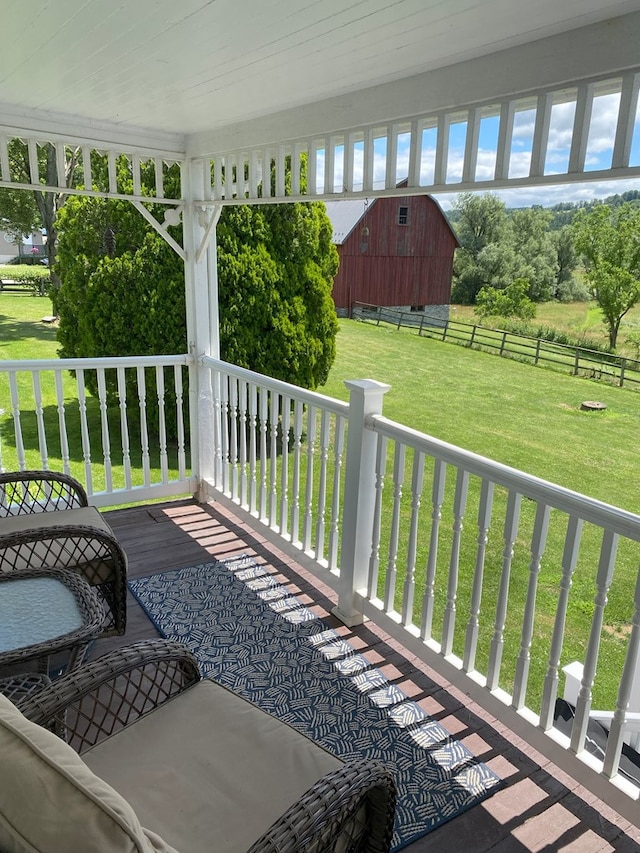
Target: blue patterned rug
{"points": [[251, 635]]}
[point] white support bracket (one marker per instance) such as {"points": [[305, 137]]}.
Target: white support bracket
{"points": [[171, 217], [209, 228]]}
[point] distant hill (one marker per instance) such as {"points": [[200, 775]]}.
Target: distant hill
{"points": [[564, 212]]}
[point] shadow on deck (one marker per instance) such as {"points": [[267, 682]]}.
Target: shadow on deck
{"points": [[540, 810]]}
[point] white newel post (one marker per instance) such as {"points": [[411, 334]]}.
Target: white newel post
{"points": [[359, 497], [201, 283]]}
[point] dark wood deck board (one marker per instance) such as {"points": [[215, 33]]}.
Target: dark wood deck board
{"points": [[540, 810]]}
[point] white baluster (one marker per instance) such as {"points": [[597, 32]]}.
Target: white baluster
{"points": [[284, 466], [62, 423], [17, 425], [368, 160], [144, 431], [417, 482], [325, 425], [629, 671], [84, 431], [225, 431], [42, 433], [541, 135], [415, 153], [274, 414], [34, 166], [296, 166], [485, 508], [505, 137], [329, 164], [307, 527], [86, 168], [61, 163], [374, 559], [253, 455], [158, 165], [437, 497], [606, 565], [281, 171], [334, 527], [347, 169], [182, 462], [627, 112], [264, 422], [298, 409], [459, 504], [4, 159], [442, 151], [124, 427], [113, 172], [538, 544], [471, 146], [497, 642], [135, 169], [104, 425], [569, 560], [392, 572], [233, 435], [162, 424], [242, 403], [581, 123]]}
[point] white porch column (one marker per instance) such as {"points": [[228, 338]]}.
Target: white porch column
{"points": [[359, 497], [201, 283]]}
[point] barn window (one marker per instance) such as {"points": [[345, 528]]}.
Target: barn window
{"points": [[403, 215]]}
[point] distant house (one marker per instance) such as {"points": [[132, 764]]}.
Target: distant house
{"points": [[395, 252]]}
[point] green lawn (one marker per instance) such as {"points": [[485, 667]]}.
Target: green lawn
{"points": [[524, 416], [528, 418], [22, 332]]}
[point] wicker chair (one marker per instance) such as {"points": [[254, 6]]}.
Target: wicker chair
{"points": [[25, 492], [46, 522], [350, 808]]}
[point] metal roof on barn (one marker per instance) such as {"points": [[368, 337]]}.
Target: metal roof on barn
{"points": [[345, 215]]}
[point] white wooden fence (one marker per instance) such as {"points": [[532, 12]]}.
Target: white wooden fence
{"points": [[126, 439]]}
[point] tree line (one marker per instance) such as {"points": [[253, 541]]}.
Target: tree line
{"points": [[510, 260]]}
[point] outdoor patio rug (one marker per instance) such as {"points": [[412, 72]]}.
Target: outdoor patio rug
{"points": [[251, 635]]}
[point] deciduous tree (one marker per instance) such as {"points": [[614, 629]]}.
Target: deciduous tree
{"points": [[609, 242]]}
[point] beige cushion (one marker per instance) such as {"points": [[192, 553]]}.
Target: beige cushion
{"points": [[208, 770], [51, 802], [83, 555], [88, 515]]}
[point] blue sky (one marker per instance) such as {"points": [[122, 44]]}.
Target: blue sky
{"points": [[598, 156]]}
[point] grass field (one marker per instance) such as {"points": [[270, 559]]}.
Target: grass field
{"points": [[528, 418], [576, 318], [521, 415]]}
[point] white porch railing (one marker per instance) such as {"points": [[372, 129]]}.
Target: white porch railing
{"points": [[494, 577], [126, 439]]}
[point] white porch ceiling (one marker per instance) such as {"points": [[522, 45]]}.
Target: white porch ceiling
{"points": [[174, 71]]}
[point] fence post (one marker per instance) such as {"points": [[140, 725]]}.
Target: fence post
{"points": [[365, 399]]}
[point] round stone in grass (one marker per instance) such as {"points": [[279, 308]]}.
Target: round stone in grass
{"points": [[592, 406]]}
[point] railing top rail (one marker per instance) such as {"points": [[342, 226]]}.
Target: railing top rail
{"points": [[312, 398], [617, 520], [88, 363]]}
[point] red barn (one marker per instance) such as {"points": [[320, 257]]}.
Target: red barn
{"points": [[395, 252]]}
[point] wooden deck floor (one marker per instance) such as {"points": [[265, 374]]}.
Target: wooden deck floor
{"points": [[540, 810]]}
